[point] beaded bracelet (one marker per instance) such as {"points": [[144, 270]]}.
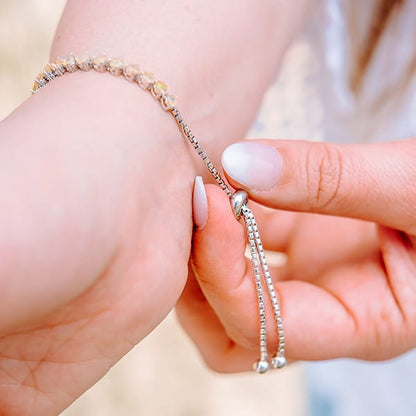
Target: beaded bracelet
{"points": [[239, 199]]}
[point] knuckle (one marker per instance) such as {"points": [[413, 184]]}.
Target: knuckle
{"points": [[323, 174]]}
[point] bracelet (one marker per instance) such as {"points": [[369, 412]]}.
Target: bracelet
{"points": [[239, 200]]}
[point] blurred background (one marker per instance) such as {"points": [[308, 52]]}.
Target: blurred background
{"points": [[164, 375]]}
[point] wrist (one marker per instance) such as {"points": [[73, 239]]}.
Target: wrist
{"points": [[212, 55], [105, 155]]}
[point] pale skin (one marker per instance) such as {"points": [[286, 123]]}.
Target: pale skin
{"points": [[93, 172], [348, 288]]}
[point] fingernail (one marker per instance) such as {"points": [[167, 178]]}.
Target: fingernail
{"points": [[200, 203], [256, 166]]}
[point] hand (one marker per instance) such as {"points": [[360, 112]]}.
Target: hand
{"points": [[348, 288]]}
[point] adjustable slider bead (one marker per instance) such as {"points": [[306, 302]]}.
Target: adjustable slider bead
{"points": [[238, 200]]}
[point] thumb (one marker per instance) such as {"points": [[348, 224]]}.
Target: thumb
{"points": [[373, 182]]}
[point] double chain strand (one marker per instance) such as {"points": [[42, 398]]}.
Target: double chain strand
{"points": [[239, 199]]}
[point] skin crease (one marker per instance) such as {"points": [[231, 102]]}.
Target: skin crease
{"points": [[93, 172], [348, 288]]}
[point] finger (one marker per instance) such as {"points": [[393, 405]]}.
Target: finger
{"points": [[276, 227], [399, 256], [320, 243], [317, 324], [206, 330], [220, 240], [224, 273], [193, 310], [373, 182]]}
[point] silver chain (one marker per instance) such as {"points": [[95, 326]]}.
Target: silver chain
{"points": [[239, 199], [257, 256], [186, 131], [262, 365], [255, 242]]}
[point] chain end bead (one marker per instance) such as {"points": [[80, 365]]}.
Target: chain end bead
{"points": [[261, 366], [278, 361]]}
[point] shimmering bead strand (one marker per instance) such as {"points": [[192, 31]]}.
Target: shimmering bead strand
{"points": [[114, 66]]}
